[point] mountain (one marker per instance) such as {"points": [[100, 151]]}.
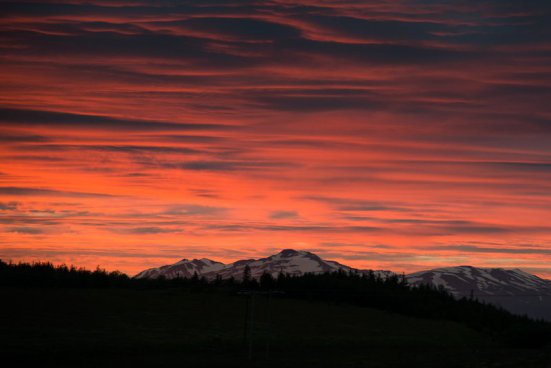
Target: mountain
{"points": [[513, 289], [288, 261], [184, 268]]}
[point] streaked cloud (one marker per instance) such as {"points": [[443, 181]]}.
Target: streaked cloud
{"points": [[25, 191], [282, 214], [388, 135]]}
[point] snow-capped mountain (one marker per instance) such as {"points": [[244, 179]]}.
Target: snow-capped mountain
{"points": [[184, 268], [461, 280], [513, 289], [288, 261]]}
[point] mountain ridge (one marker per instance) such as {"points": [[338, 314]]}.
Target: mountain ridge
{"points": [[513, 289], [208, 267], [484, 280], [288, 261]]}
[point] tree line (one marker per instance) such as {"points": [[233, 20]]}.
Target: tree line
{"points": [[392, 294]]}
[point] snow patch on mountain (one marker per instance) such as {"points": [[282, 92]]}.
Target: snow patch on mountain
{"points": [[464, 280]]}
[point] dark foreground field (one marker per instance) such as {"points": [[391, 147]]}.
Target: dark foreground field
{"points": [[174, 327]]}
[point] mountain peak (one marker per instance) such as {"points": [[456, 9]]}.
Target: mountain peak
{"points": [[182, 261], [288, 252], [293, 252]]}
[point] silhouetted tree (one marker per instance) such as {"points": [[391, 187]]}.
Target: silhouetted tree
{"points": [[266, 281], [195, 278], [246, 275]]}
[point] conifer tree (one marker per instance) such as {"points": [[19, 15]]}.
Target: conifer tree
{"points": [[246, 275]]}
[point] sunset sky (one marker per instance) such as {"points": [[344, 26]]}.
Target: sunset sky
{"points": [[398, 134]]}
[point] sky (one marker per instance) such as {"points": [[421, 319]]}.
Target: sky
{"points": [[397, 134]]}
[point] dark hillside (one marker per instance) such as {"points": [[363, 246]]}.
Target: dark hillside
{"points": [[119, 321]]}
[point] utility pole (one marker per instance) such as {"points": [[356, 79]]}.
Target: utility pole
{"points": [[251, 327], [246, 322], [268, 324], [249, 322]]}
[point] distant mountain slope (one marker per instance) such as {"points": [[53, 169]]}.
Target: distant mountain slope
{"points": [[483, 281], [513, 289], [288, 261]]}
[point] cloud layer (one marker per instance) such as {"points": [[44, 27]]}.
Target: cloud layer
{"points": [[411, 133]]}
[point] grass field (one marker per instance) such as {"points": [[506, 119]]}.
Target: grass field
{"points": [[122, 327]]}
